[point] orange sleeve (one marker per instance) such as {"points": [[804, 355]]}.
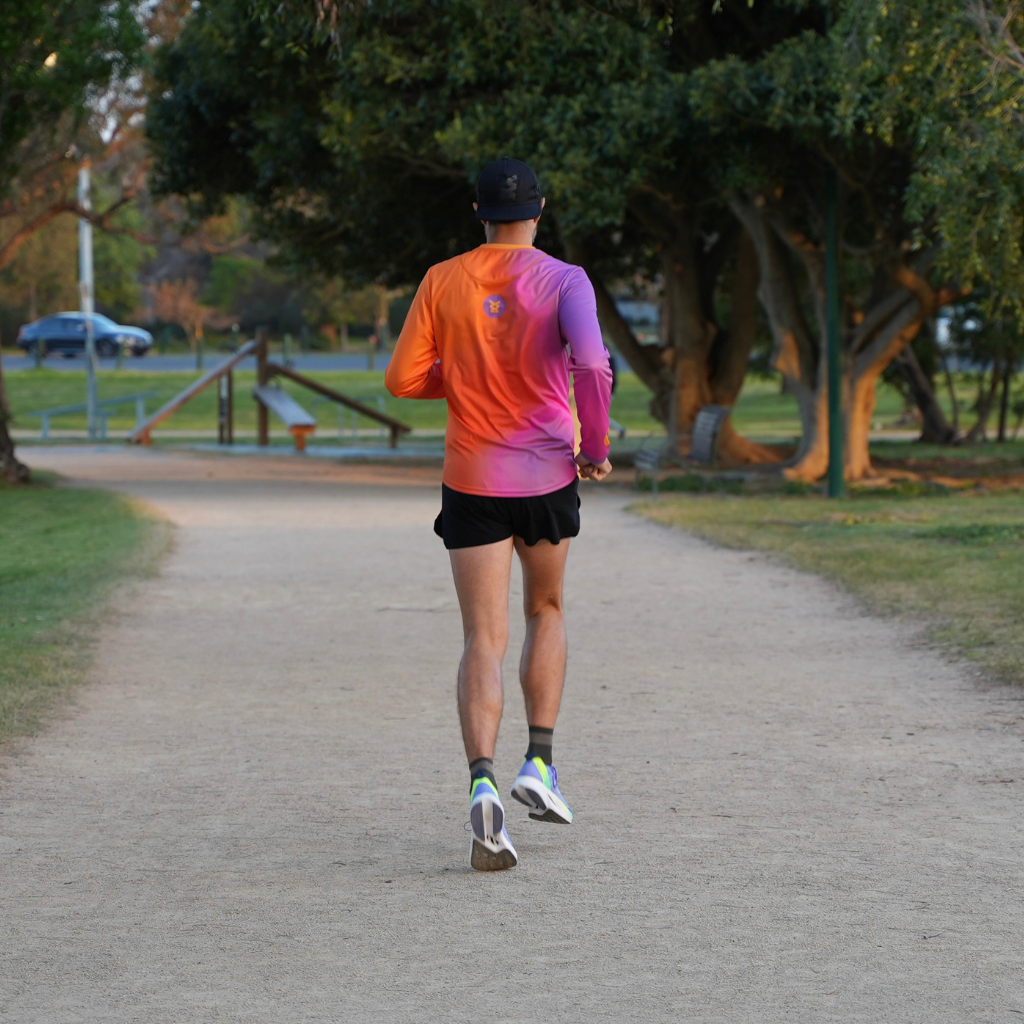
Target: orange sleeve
{"points": [[413, 370]]}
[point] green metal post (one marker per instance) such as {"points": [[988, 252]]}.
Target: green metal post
{"points": [[40, 344], [164, 335], [286, 350], [835, 369], [200, 351]]}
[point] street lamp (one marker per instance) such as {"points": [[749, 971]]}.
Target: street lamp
{"points": [[85, 291]]}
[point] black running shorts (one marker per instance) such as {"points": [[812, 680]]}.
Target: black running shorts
{"points": [[469, 520]]}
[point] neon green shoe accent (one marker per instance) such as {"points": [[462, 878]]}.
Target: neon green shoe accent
{"points": [[482, 781], [543, 769]]}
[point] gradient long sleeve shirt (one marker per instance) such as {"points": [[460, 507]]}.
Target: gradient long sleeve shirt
{"points": [[496, 332]]}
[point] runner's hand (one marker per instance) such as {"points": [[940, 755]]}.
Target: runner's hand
{"points": [[592, 470]]}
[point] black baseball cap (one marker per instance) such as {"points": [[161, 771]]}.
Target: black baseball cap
{"points": [[507, 190]]}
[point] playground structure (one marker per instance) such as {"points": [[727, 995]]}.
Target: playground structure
{"points": [[270, 398]]}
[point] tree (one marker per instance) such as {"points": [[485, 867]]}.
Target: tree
{"points": [[54, 58], [993, 346], [177, 302], [679, 146], [362, 163]]}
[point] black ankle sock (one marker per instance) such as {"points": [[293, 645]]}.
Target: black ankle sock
{"points": [[482, 768], [541, 742]]}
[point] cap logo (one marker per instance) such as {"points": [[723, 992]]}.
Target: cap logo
{"points": [[508, 186], [494, 306]]}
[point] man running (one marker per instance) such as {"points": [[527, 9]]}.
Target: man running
{"points": [[497, 332]]}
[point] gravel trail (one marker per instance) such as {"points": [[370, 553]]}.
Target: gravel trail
{"points": [[787, 809]]}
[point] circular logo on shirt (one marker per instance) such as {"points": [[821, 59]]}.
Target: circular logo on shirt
{"points": [[494, 306]]}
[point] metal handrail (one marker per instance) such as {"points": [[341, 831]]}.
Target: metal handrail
{"points": [[45, 415]]}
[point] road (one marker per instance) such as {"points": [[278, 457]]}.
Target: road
{"points": [[786, 809]]}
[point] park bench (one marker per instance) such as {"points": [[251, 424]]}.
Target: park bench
{"points": [[104, 410], [299, 422]]}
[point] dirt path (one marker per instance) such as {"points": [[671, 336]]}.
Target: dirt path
{"points": [[787, 810]]}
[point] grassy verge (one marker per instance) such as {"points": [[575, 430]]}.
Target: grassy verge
{"points": [[62, 551], [955, 561]]}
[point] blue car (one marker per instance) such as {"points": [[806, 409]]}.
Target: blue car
{"points": [[65, 333]]}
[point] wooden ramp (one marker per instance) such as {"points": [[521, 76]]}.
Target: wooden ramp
{"points": [[141, 434]]}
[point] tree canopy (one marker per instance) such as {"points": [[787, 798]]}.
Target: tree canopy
{"points": [[682, 144], [58, 60]]}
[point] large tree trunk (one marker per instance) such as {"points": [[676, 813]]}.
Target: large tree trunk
{"points": [[935, 427], [889, 325], [1004, 402], [13, 471], [986, 401], [795, 355], [710, 362], [703, 364]]}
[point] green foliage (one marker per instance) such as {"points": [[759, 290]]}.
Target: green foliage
{"points": [[981, 337], [55, 56], [240, 108], [362, 162], [117, 261], [380, 118], [943, 79], [356, 130]]}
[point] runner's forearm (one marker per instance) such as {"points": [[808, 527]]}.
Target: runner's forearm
{"points": [[413, 370], [593, 388]]}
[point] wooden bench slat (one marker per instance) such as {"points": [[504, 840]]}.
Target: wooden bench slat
{"points": [[284, 407]]}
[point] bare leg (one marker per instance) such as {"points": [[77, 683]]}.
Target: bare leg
{"points": [[481, 582], [542, 666]]}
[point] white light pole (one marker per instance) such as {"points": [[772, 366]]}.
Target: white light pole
{"points": [[85, 292]]}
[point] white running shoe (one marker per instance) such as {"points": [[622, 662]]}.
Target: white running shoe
{"points": [[537, 787], [491, 849]]}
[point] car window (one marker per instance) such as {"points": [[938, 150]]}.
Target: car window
{"points": [[48, 322], [102, 321]]}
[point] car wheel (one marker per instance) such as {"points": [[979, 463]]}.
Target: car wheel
{"points": [[106, 349]]}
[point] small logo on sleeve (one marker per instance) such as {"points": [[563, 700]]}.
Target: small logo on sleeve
{"points": [[494, 306]]}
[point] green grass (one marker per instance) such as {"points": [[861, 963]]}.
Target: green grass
{"points": [[957, 561], [62, 550], [39, 389], [761, 411]]}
